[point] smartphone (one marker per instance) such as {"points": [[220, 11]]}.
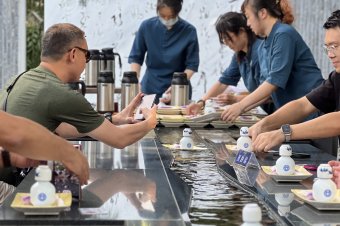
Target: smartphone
{"points": [[64, 180], [147, 102]]}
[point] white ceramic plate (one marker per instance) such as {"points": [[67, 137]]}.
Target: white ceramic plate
{"points": [[305, 194], [28, 209], [299, 175]]}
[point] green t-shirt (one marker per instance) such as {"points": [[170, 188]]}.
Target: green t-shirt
{"points": [[41, 96]]}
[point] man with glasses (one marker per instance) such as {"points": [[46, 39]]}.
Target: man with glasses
{"points": [[42, 94]]}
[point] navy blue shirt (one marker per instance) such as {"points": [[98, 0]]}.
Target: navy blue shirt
{"points": [[168, 51], [287, 62], [248, 68]]}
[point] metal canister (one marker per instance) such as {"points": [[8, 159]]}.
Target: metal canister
{"points": [[107, 62], [105, 92], [179, 89], [129, 88], [92, 68]]}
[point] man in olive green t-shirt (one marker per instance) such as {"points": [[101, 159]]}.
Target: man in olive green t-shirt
{"points": [[42, 95]]}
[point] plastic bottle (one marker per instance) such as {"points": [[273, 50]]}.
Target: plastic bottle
{"points": [[251, 215], [244, 141], [324, 189], [209, 107], [285, 165], [186, 142], [42, 191]]}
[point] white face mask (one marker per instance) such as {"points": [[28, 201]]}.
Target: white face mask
{"points": [[168, 23]]}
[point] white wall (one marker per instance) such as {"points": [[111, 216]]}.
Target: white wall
{"points": [[113, 23], [12, 39]]}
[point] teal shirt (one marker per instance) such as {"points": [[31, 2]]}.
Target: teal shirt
{"points": [[248, 68], [166, 51], [287, 62]]}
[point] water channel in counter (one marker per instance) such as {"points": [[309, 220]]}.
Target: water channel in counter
{"points": [[214, 200]]}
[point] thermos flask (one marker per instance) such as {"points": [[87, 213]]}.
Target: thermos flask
{"points": [[107, 62], [129, 88], [92, 68], [179, 89], [105, 92]]}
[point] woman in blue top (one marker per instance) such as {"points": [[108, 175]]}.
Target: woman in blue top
{"points": [[288, 68], [233, 31], [171, 45]]}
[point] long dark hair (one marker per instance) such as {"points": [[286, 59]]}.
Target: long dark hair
{"points": [[175, 5], [234, 22], [280, 9]]}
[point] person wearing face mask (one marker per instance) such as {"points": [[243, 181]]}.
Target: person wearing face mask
{"points": [[171, 45], [288, 68], [233, 32]]}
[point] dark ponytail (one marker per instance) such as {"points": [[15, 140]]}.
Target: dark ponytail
{"points": [[234, 22], [175, 5], [280, 9]]}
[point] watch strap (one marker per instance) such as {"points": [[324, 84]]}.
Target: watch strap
{"points": [[6, 159]]}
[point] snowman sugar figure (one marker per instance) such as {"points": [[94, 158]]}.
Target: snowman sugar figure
{"points": [[244, 141], [186, 142], [43, 191], [209, 107], [324, 189], [284, 200], [285, 165], [251, 215]]}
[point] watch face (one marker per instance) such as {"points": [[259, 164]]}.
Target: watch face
{"points": [[286, 129]]}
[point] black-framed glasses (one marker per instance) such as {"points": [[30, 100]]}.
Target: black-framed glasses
{"points": [[85, 51], [330, 48]]}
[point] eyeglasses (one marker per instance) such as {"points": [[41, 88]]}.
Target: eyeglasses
{"points": [[330, 49], [85, 51]]}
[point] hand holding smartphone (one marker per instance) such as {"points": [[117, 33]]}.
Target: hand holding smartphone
{"points": [[147, 102]]}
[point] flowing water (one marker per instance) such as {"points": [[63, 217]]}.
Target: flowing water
{"points": [[214, 200]]}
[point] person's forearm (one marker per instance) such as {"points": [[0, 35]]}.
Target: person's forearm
{"points": [[136, 67], [321, 127], [121, 136], [30, 140], [189, 73], [291, 113], [215, 90], [261, 94]]}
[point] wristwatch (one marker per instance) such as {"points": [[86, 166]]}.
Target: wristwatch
{"points": [[287, 132]]}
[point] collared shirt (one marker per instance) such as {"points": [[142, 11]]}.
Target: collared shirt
{"points": [[287, 62], [168, 51], [248, 68]]}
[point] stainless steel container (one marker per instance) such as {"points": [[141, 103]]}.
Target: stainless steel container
{"points": [[105, 92], [108, 62], [129, 88], [92, 68], [179, 89]]}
